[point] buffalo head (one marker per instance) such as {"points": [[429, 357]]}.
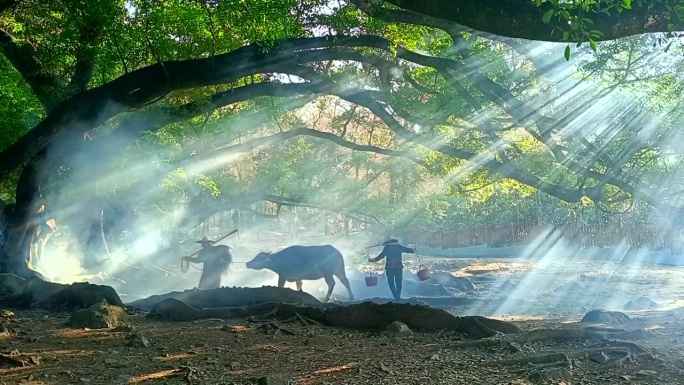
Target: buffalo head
{"points": [[261, 261]]}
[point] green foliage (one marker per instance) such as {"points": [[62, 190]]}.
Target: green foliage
{"points": [[20, 110], [453, 108]]}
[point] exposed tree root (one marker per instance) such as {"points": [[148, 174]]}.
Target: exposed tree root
{"points": [[615, 356], [604, 329], [363, 316], [576, 334], [550, 374], [175, 310], [298, 318], [227, 297], [17, 292], [547, 359], [619, 343], [7, 361], [513, 340], [622, 359], [275, 329], [265, 317], [550, 371]]}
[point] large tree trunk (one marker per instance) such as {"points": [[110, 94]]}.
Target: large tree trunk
{"points": [[15, 256]]}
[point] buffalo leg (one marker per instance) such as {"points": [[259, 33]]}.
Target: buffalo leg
{"points": [[343, 278], [331, 285], [281, 281], [299, 285]]}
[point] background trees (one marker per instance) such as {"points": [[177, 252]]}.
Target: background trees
{"points": [[126, 115]]}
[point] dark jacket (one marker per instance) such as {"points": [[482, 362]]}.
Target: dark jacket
{"points": [[393, 254]]}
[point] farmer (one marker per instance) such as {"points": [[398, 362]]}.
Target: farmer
{"points": [[394, 268], [216, 259]]}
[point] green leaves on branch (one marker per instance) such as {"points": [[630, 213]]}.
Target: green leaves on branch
{"points": [[574, 20]]}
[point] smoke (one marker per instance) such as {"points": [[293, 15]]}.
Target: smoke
{"points": [[126, 214], [129, 206]]}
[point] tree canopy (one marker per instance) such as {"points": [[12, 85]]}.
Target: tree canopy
{"points": [[390, 113]]}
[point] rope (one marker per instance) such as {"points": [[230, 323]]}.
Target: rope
{"points": [[185, 264]]}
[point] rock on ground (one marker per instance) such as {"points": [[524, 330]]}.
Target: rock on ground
{"points": [[641, 303], [99, 316], [604, 316], [397, 328]]}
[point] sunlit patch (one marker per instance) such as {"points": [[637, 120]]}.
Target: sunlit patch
{"points": [[518, 318], [40, 356], [75, 333], [59, 352], [241, 372], [334, 369], [17, 370], [157, 375], [239, 329], [177, 356], [492, 268], [311, 378]]}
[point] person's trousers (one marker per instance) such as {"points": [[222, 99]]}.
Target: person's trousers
{"points": [[395, 276]]}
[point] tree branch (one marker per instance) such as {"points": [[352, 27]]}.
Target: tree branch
{"points": [[44, 86], [407, 17], [7, 4], [291, 202], [207, 209], [136, 89], [89, 35], [156, 118], [523, 19], [226, 151], [362, 98]]}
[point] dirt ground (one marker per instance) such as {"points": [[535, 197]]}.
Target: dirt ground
{"points": [[233, 351]]}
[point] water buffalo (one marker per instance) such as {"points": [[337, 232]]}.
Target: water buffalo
{"points": [[298, 263]]}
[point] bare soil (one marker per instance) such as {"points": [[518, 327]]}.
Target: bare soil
{"points": [[233, 351], [38, 349]]}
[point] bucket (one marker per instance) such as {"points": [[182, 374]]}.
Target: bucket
{"points": [[423, 273], [371, 280]]}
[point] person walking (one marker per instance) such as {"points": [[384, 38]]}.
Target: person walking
{"points": [[394, 266]]}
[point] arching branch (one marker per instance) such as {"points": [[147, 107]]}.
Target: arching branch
{"points": [[207, 209], [523, 19]]}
